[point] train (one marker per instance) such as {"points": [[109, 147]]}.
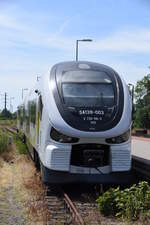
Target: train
{"points": [[76, 122]]}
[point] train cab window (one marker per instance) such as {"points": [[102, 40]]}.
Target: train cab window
{"points": [[94, 89]]}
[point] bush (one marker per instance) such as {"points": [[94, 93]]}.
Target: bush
{"points": [[6, 114], [130, 203], [107, 202], [3, 142]]}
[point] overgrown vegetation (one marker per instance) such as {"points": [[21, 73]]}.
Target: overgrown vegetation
{"points": [[130, 203], [21, 147], [17, 139], [3, 142], [8, 122]]}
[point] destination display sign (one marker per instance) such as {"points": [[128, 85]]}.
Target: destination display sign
{"points": [[94, 116], [91, 112]]}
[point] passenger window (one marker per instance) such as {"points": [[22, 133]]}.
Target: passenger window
{"points": [[40, 107], [32, 111]]}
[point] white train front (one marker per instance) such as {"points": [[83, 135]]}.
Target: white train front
{"points": [[76, 122]]}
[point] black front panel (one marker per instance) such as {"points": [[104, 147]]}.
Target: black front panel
{"points": [[88, 99], [90, 155]]}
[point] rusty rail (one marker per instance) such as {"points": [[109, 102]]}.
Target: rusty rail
{"points": [[61, 207], [11, 130], [75, 214]]}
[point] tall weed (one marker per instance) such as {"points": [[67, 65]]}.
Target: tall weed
{"points": [[3, 142]]}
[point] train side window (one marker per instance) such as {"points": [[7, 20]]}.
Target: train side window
{"points": [[40, 107], [32, 111], [18, 113], [23, 113]]}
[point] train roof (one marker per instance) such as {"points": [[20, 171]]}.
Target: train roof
{"points": [[87, 65]]}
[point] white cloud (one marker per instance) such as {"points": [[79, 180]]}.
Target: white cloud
{"points": [[135, 40], [127, 40]]}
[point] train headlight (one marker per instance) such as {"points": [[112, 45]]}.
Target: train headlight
{"points": [[119, 139], [62, 138]]}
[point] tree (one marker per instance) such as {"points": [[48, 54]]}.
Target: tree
{"points": [[5, 114], [142, 96]]}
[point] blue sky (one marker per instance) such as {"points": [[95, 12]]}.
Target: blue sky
{"points": [[36, 34]]}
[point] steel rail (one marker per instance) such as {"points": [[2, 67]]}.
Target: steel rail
{"points": [[11, 130], [75, 214]]}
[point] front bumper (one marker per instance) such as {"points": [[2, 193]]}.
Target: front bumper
{"points": [[58, 157], [57, 177]]}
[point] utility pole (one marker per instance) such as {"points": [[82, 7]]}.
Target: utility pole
{"points": [[23, 89], [38, 77], [11, 106], [1, 99], [5, 103]]}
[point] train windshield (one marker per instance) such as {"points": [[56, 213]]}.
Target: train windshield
{"points": [[88, 89]]}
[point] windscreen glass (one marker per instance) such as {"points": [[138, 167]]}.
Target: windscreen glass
{"points": [[84, 76], [87, 88]]}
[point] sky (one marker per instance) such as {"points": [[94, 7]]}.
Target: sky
{"points": [[36, 34]]}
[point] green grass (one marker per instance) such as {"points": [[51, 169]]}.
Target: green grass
{"points": [[3, 142], [9, 122], [21, 147]]}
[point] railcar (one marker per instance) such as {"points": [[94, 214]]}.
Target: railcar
{"points": [[76, 122]]}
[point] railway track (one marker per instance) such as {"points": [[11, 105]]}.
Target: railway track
{"points": [[55, 204], [11, 130], [73, 206], [67, 208], [88, 211]]}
